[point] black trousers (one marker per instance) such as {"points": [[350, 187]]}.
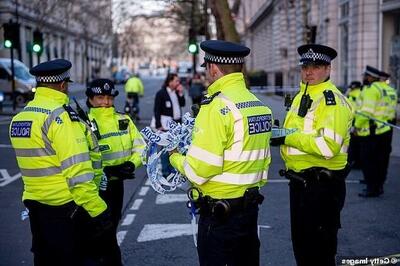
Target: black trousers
{"points": [[55, 234], [375, 152], [114, 196], [386, 142], [233, 241], [315, 220]]}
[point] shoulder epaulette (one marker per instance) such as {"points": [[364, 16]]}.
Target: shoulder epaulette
{"points": [[208, 100], [73, 115], [329, 97]]}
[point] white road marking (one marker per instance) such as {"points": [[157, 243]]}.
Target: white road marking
{"points": [[136, 204], [152, 232], [143, 191], [121, 236], [171, 198], [6, 178], [129, 218], [262, 226]]}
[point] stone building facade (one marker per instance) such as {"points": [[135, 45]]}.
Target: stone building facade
{"points": [[364, 32], [79, 31]]}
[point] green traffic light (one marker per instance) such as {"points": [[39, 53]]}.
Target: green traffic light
{"points": [[36, 48], [192, 48], [7, 44]]}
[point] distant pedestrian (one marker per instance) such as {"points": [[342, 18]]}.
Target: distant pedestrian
{"points": [[316, 158], [168, 105]]}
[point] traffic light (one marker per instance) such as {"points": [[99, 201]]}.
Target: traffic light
{"points": [[193, 48], [11, 35], [37, 46]]}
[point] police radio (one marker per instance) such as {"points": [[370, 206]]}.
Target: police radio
{"points": [[305, 103]]}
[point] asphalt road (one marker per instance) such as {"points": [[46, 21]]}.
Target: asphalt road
{"points": [[155, 229]]}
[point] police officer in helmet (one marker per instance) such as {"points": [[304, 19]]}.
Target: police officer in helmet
{"points": [[228, 159]]}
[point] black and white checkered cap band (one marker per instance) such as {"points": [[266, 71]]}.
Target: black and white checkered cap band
{"points": [[53, 79], [311, 55], [372, 74], [223, 59]]}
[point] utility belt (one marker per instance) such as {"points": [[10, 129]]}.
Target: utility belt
{"points": [[223, 208], [68, 209], [316, 175]]}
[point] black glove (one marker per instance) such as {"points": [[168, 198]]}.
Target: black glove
{"points": [[125, 170], [277, 141], [102, 225]]}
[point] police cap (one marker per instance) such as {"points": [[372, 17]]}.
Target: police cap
{"points": [[371, 71], [101, 87], [223, 52], [384, 75], [54, 71], [355, 84], [316, 54]]}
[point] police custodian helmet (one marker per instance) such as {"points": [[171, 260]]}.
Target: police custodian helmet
{"points": [[223, 52], [101, 87], [54, 71]]}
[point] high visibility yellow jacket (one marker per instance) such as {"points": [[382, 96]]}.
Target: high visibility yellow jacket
{"points": [[353, 96], [135, 85], [52, 154], [323, 135], [230, 149], [373, 104], [120, 140], [390, 99]]}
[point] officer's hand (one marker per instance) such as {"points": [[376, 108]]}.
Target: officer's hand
{"points": [[123, 171], [277, 141], [102, 225]]}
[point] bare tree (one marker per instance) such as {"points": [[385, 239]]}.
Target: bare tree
{"points": [[226, 28]]}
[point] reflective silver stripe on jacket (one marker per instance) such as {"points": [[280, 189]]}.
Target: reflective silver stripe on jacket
{"points": [[74, 159], [241, 179], [34, 152], [80, 179], [41, 172], [116, 155], [46, 126]]}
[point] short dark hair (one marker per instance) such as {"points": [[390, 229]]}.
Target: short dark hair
{"points": [[168, 79], [230, 68]]}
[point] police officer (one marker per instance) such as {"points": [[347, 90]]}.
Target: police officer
{"points": [[390, 96], [315, 157], [53, 157], [228, 159], [121, 146], [353, 94], [373, 134]]}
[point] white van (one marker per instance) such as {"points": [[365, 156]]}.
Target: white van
{"points": [[25, 83]]}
